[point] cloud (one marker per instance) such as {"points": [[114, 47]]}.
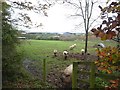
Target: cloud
{"points": [[57, 20]]}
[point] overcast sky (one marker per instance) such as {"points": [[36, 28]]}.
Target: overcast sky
{"points": [[58, 19]]}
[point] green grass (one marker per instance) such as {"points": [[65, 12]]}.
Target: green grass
{"points": [[43, 49], [39, 49]]}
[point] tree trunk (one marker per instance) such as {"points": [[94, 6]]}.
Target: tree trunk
{"points": [[86, 41]]}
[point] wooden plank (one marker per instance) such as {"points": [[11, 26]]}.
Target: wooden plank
{"points": [[74, 75], [44, 71], [92, 76], [84, 72], [85, 63], [84, 81]]}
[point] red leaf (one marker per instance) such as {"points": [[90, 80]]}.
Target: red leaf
{"points": [[101, 34], [109, 36], [113, 33], [114, 24], [109, 71]]}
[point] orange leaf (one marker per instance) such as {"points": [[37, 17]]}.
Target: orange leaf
{"points": [[104, 37], [113, 33], [114, 85], [102, 54], [96, 33], [101, 34], [109, 71], [109, 36], [96, 62], [113, 81], [110, 58], [102, 68]]}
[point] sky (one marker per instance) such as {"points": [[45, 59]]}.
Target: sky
{"points": [[58, 19]]}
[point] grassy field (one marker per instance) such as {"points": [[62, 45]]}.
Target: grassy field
{"points": [[37, 50], [43, 49]]}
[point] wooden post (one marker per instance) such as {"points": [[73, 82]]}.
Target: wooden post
{"points": [[44, 71], [92, 75], [74, 75]]}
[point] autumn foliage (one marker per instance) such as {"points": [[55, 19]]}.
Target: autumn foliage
{"points": [[110, 27], [109, 63], [109, 57]]}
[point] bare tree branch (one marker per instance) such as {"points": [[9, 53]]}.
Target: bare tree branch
{"points": [[81, 10], [86, 13], [76, 15], [74, 4], [91, 8], [40, 8], [93, 21]]}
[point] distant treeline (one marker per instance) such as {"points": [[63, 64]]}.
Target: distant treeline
{"points": [[55, 36]]}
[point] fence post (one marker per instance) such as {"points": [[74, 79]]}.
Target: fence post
{"points": [[92, 75], [44, 71], [74, 75]]}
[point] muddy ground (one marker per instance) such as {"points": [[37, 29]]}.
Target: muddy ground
{"points": [[54, 77]]}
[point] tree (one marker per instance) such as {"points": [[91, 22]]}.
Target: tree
{"points": [[10, 57], [84, 11], [24, 20]]}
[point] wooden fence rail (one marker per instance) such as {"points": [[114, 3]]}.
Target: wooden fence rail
{"points": [[92, 75], [44, 71]]}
